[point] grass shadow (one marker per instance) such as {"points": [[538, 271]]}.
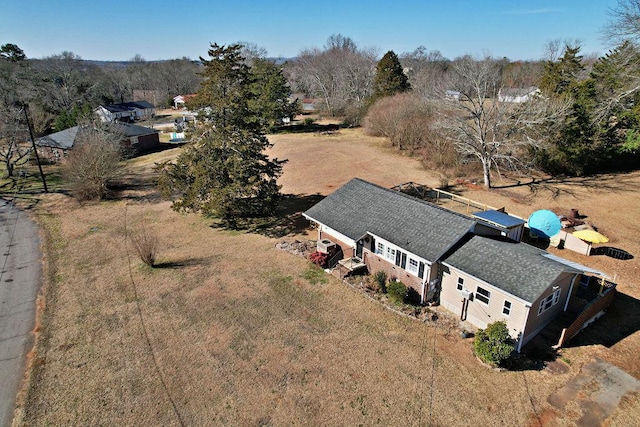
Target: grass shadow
{"points": [[182, 263]]}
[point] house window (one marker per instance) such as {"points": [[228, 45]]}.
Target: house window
{"points": [[380, 249], [483, 295], [549, 301], [460, 283], [413, 266], [506, 308], [391, 254]]}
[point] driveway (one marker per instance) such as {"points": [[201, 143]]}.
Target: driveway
{"points": [[20, 278]]}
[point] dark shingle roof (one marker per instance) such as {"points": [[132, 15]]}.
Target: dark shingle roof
{"points": [[517, 268], [417, 226], [130, 130], [128, 106], [63, 139]]}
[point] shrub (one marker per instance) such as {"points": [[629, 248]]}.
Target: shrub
{"points": [[93, 162], [494, 345], [380, 278], [412, 297], [145, 245], [308, 121], [397, 291], [318, 258]]}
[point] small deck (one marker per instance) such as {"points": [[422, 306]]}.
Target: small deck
{"points": [[350, 265]]}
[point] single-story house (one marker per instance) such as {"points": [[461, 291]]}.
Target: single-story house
{"points": [[138, 138], [126, 111], [472, 266], [179, 101], [517, 95]]}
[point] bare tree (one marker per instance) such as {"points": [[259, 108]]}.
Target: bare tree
{"points": [[340, 74], [94, 160], [424, 69], [624, 22], [498, 134], [13, 139]]}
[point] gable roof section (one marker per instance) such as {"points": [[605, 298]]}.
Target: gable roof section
{"points": [[417, 226], [517, 268], [63, 139]]}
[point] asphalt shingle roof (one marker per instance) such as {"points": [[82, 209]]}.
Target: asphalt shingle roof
{"points": [[517, 268], [65, 139], [417, 226]]}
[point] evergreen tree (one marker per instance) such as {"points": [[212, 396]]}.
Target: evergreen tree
{"points": [[270, 93], [225, 172], [390, 78], [559, 76]]}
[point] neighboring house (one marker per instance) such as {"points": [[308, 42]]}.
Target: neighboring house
{"points": [[179, 101], [452, 95], [517, 95], [126, 112], [137, 138], [471, 266]]}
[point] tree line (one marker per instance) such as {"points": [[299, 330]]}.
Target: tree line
{"points": [[583, 119]]}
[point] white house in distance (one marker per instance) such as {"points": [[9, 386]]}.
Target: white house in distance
{"points": [[179, 101], [473, 266], [126, 111], [517, 95]]}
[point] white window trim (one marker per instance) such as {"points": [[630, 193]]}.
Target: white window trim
{"points": [[504, 306], [460, 283], [410, 267], [553, 298], [482, 295]]}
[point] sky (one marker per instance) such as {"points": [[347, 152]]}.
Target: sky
{"points": [[161, 29]]}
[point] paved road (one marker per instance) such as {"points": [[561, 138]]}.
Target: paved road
{"points": [[20, 278]]}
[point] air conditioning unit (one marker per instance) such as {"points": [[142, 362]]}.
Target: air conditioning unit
{"points": [[325, 245], [466, 294]]}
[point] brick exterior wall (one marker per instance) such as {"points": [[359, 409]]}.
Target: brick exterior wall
{"points": [[346, 249], [376, 263]]}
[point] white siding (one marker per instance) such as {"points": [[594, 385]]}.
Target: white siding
{"points": [[478, 313]]}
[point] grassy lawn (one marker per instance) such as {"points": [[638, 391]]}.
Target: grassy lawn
{"points": [[229, 330]]}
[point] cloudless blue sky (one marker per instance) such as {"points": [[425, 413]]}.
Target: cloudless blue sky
{"points": [[163, 29]]}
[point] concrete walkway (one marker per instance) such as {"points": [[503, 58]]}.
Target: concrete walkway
{"points": [[20, 278]]}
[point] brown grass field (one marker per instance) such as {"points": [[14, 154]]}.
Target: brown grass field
{"points": [[229, 330]]}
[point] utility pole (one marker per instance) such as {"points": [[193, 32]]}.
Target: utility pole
{"points": [[35, 150]]}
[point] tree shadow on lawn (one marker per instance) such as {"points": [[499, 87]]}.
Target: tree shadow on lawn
{"points": [[621, 320], [559, 185], [287, 221], [302, 128]]}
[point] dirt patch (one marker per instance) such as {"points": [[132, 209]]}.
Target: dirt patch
{"points": [[597, 390]]}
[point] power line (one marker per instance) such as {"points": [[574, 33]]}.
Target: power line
{"points": [[144, 327]]}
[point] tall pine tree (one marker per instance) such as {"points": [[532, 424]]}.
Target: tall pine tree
{"points": [[390, 78], [225, 171]]}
